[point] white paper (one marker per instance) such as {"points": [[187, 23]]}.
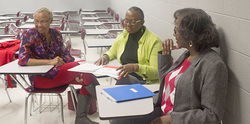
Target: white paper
{"points": [[86, 67], [98, 70]]}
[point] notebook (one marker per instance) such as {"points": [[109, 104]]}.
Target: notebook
{"points": [[127, 92]]}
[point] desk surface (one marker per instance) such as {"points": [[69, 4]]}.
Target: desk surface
{"points": [[93, 43], [8, 21], [5, 18], [29, 25], [32, 20], [6, 14], [93, 13], [88, 10], [98, 23], [109, 109], [14, 68], [101, 31], [96, 18], [6, 36]]}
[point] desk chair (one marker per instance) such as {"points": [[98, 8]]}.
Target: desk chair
{"points": [[67, 42], [11, 29], [32, 91], [74, 52]]}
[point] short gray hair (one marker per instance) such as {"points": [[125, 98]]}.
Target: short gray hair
{"points": [[46, 10]]}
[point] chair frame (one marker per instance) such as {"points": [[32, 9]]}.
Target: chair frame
{"points": [[31, 93]]}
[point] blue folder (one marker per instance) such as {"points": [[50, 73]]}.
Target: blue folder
{"points": [[127, 92]]}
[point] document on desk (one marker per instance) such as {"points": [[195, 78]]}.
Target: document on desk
{"points": [[99, 70], [85, 67], [127, 92]]}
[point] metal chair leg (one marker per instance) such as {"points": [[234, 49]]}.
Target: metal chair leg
{"points": [[61, 106], [8, 94], [26, 108], [6, 89]]}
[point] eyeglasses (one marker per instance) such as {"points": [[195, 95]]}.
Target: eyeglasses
{"points": [[41, 22], [176, 31], [131, 22]]}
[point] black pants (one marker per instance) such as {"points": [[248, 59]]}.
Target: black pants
{"points": [[132, 78]]}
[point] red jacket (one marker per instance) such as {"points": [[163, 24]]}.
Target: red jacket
{"points": [[7, 50]]}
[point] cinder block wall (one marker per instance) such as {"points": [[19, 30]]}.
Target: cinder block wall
{"points": [[13, 6], [232, 18]]}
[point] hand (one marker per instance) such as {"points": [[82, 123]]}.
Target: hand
{"points": [[127, 69], [162, 120], [104, 60], [58, 61], [167, 45], [79, 78]]}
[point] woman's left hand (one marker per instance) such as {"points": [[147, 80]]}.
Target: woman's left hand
{"points": [[162, 120], [79, 78], [127, 69]]}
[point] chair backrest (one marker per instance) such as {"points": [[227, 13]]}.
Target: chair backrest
{"points": [[25, 18], [18, 22], [117, 17], [18, 14], [108, 10], [80, 11], [112, 13]]}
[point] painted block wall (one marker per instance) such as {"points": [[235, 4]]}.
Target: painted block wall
{"points": [[232, 19]]}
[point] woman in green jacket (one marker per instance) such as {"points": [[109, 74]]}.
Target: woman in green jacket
{"points": [[136, 49]]}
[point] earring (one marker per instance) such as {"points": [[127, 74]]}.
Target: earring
{"points": [[190, 44]]}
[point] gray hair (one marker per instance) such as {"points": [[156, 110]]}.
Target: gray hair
{"points": [[46, 10], [137, 9], [197, 25]]}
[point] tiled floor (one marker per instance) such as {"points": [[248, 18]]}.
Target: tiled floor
{"points": [[13, 112]]}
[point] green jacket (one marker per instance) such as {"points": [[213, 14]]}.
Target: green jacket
{"points": [[149, 46]]}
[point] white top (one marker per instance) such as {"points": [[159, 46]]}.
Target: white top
{"points": [[14, 68], [109, 109], [93, 43]]}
